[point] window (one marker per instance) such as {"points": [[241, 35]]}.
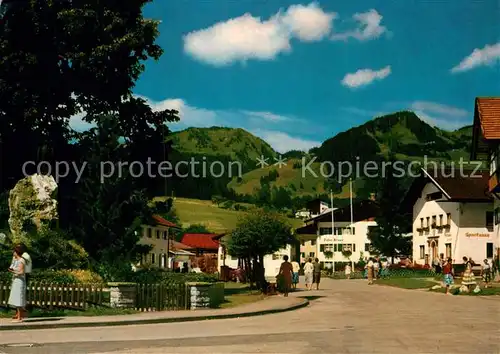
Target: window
{"points": [[489, 250], [326, 248], [497, 216], [493, 163], [302, 254], [302, 243], [325, 230], [312, 254], [367, 247], [427, 221], [433, 219], [339, 230], [152, 258], [422, 252], [489, 220], [434, 196], [337, 247], [441, 220], [150, 232], [354, 247], [448, 250], [313, 242], [421, 223], [165, 235], [158, 234], [448, 219]]}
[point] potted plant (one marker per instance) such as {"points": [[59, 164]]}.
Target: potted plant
{"points": [[347, 253], [328, 254]]}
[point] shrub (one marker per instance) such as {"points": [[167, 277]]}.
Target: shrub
{"points": [[151, 276], [58, 276]]}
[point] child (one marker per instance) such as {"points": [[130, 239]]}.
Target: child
{"points": [[348, 271], [448, 276]]}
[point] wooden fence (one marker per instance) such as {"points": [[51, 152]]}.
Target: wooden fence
{"points": [[161, 297], [69, 296]]}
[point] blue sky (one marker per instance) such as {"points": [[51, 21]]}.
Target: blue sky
{"points": [[296, 73]]}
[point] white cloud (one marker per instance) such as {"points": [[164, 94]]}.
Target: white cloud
{"points": [[271, 117], [283, 142], [248, 37], [365, 77], [479, 57], [440, 115], [439, 108], [308, 23], [369, 27]]}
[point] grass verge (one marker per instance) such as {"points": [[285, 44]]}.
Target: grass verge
{"points": [[41, 313], [406, 283], [237, 294]]}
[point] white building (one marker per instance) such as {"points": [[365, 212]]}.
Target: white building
{"points": [[452, 216], [486, 146], [330, 245], [313, 208], [272, 262]]}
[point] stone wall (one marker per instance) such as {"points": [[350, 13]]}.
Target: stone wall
{"points": [[205, 295], [122, 295]]}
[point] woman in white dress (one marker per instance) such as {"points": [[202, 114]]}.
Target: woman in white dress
{"points": [[308, 273], [17, 298]]}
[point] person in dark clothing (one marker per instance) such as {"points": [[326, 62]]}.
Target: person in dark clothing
{"points": [[185, 268], [316, 273]]}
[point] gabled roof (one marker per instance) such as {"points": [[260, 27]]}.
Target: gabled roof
{"points": [[204, 241], [164, 222], [486, 126], [457, 186], [174, 245]]}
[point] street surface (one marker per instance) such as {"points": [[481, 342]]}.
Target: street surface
{"points": [[344, 316]]}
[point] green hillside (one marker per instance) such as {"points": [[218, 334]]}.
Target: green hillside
{"points": [[402, 133]]}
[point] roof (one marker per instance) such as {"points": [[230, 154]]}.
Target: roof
{"points": [[204, 241], [164, 222], [218, 237], [488, 109], [362, 210], [460, 186], [486, 127], [174, 245], [307, 230]]}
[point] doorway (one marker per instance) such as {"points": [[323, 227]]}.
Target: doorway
{"points": [[434, 250]]}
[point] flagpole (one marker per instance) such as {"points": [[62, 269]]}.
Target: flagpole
{"points": [[352, 213], [333, 229]]}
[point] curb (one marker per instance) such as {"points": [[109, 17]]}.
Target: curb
{"points": [[25, 326]]}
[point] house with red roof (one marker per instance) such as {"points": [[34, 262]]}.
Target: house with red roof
{"points": [[486, 147], [165, 251], [201, 243]]}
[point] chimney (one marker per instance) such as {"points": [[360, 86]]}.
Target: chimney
{"points": [[372, 196]]}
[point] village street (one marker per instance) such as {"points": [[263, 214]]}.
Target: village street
{"points": [[343, 317]]}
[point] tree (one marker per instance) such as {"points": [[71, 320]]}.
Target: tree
{"points": [[62, 58], [257, 235], [388, 237]]}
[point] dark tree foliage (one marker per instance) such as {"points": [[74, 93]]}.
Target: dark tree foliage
{"points": [[388, 237], [68, 57]]}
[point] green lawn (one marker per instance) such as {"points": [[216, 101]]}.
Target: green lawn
{"points": [[484, 292], [217, 220], [65, 313], [406, 283], [236, 294]]}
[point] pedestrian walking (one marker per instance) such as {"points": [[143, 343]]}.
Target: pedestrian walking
{"points": [[17, 297], [486, 273], [308, 273], [295, 275], [348, 271], [317, 273], [369, 271], [376, 268], [286, 271]]}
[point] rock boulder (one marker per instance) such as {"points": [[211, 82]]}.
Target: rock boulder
{"points": [[32, 205]]}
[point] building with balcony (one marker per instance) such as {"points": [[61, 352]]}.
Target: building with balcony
{"points": [[334, 240], [452, 215], [313, 208], [486, 147]]}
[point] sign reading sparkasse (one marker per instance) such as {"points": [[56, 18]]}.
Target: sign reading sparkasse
{"points": [[476, 234]]}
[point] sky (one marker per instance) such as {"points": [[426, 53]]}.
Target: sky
{"points": [[297, 73]]}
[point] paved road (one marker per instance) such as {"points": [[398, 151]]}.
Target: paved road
{"points": [[345, 317]]}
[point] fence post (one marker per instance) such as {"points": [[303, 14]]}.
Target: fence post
{"points": [[123, 295]]}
